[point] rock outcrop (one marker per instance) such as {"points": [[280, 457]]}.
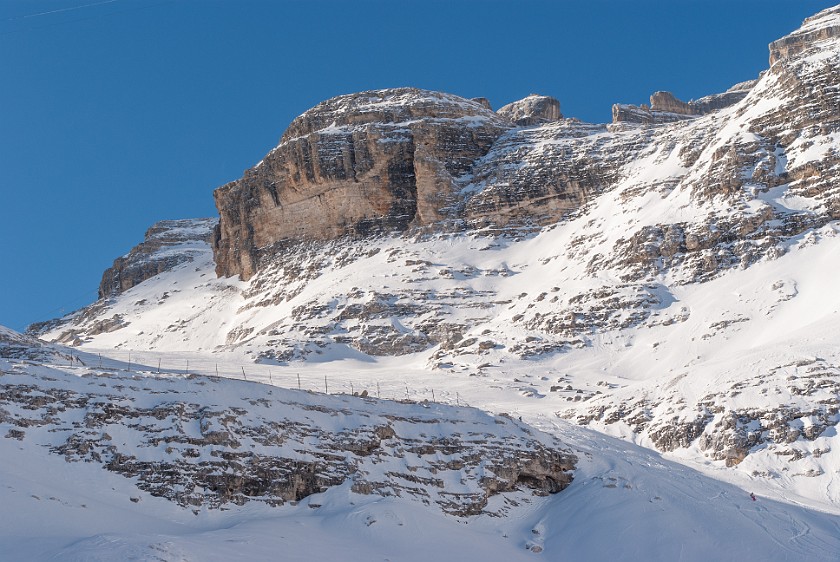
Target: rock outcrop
{"points": [[820, 27], [390, 160], [697, 251], [167, 244], [809, 408], [360, 164], [215, 442], [23, 347], [532, 110], [484, 102], [731, 183], [666, 108]]}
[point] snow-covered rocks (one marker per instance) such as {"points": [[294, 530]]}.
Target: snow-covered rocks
{"points": [[15, 346], [209, 442], [532, 110], [611, 273], [666, 108], [820, 27], [167, 244]]}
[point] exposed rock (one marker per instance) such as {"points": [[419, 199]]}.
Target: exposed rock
{"points": [[533, 110], [167, 244], [726, 433], [389, 160], [626, 216], [666, 102], [205, 442], [819, 27], [19, 346], [666, 108], [359, 164], [484, 102], [537, 176]]}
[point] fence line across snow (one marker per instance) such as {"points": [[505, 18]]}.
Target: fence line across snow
{"points": [[273, 375]]}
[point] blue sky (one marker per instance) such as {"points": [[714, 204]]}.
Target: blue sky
{"points": [[116, 114]]}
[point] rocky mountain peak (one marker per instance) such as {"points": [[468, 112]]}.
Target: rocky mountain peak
{"points": [[388, 106], [689, 242], [532, 110], [822, 26], [386, 161]]}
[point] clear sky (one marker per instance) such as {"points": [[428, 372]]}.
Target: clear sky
{"points": [[115, 114]]}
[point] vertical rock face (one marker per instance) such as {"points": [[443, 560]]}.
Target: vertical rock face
{"points": [[801, 125], [387, 160], [358, 164], [820, 27], [533, 110]]}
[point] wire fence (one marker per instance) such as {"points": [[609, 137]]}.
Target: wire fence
{"points": [[334, 381]]}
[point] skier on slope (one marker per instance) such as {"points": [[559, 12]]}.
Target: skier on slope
{"points": [[752, 496]]}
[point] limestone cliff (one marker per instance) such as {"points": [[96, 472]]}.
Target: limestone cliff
{"points": [[358, 164], [671, 276], [820, 27], [734, 179]]}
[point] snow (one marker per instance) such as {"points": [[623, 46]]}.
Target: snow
{"points": [[829, 17], [680, 505], [625, 503], [749, 339], [808, 148]]}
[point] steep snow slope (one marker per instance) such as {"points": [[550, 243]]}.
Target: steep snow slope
{"points": [[625, 502], [742, 365], [688, 305]]}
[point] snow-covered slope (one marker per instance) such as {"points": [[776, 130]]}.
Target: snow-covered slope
{"points": [[213, 442], [684, 302], [625, 502], [688, 304], [740, 366]]}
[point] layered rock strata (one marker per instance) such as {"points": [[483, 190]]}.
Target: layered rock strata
{"points": [[360, 164], [532, 110], [167, 244], [210, 442], [820, 27], [390, 160], [809, 408], [666, 108]]}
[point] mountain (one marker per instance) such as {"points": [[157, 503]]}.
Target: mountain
{"points": [[665, 279], [106, 460]]}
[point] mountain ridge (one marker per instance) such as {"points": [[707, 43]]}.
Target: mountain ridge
{"points": [[652, 271]]}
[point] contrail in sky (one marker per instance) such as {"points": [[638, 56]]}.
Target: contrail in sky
{"points": [[68, 9]]}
